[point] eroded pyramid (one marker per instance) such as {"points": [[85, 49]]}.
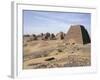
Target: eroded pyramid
{"points": [[77, 34]]}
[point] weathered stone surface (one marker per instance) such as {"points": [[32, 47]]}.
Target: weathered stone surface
{"points": [[77, 34], [47, 36], [60, 36], [52, 37]]}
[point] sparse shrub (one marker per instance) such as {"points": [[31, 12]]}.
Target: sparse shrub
{"points": [[59, 50], [78, 49], [73, 43]]}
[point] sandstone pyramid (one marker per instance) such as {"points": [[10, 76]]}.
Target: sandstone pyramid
{"points": [[77, 34]]}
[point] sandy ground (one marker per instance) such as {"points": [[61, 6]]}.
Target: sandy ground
{"points": [[55, 53]]}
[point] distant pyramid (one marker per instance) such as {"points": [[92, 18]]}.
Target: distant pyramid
{"points": [[60, 36], [77, 34]]}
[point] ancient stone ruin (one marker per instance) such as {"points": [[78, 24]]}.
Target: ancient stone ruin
{"points": [[77, 34], [60, 36]]}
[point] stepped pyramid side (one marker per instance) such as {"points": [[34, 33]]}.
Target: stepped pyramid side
{"points": [[77, 34]]}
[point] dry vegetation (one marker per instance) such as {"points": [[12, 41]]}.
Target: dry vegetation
{"points": [[55, 53]]}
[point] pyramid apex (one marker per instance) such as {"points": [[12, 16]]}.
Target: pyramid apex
{"points": [[77, 25]]}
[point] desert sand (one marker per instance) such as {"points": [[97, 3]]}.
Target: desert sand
{"points": [[55, 53], [61, 50]]}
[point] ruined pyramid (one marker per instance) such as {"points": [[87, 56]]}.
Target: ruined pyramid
{"points": [[77, 34]]}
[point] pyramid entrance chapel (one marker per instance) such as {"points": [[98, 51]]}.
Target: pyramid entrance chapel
{"points": [[77, 34]]}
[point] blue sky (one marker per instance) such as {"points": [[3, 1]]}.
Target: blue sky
{"points": [[36, 22]]}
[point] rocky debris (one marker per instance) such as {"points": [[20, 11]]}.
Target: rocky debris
{"points": [[75, 60]]}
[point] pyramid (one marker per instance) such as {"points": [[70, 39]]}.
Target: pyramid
{"points": [[77, 34], [60, 36]]}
